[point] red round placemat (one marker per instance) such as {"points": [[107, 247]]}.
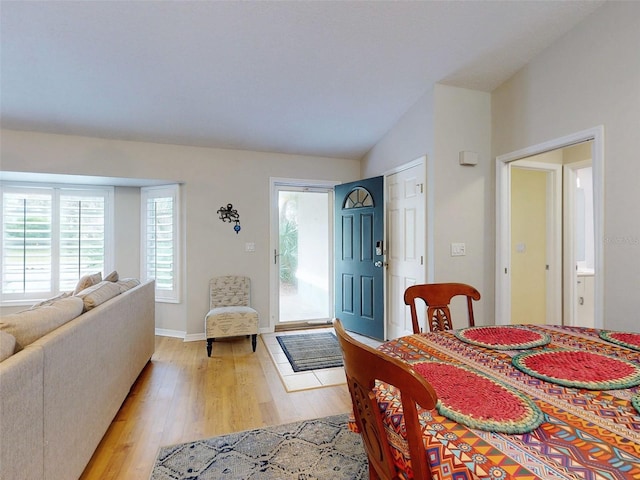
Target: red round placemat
{"points": [[629, 340], [503, 337], [477, 401], [579, 369]]}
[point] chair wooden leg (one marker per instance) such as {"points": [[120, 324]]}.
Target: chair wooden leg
{"points": [[254, 339], [209, 346], [373, 475]]}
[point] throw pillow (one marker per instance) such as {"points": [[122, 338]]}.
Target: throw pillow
{"points": [[51, 300], [86, 281], [98, 294], [128, 284], [112, 277], [29, 325]]}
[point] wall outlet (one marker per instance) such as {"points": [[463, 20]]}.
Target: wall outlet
{"points": [[458, 249]]}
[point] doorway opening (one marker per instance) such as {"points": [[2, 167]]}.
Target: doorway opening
{"points": [[536, 240], [302, 272], [567, 176], [579, 241]]}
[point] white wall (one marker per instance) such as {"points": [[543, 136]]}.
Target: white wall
{"points": [[127, 231], [463, 201], [445, 121], [211, 178], [410, 138], [588, 78]]}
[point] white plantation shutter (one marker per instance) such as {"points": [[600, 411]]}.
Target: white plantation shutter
{"points": [[26, 242], [51, 236], [82, 237], [160, 240]]}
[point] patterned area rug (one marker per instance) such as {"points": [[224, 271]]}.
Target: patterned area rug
{"points": [[311, 351], [317, 449]]}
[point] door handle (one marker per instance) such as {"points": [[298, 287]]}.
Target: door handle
{"points": [[378, 264]]}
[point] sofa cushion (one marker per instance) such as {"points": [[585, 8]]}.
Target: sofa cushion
{"points": [[52, 300], [86, 281], [98, 294], [7, 345], [112, 277], [127, 284], [29, 325]]}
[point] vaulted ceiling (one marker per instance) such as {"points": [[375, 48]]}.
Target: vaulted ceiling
{"points": [[325, 78]]}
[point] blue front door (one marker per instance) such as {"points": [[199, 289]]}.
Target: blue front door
{"points": [[359, 256]]}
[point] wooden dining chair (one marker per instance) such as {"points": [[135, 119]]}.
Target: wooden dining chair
{"points": [[364, 365], [437, 297]]}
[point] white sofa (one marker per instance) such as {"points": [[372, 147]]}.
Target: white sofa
{"points": [[59, 394]]}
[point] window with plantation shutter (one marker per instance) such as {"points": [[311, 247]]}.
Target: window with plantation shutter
{"points": [[82, 237], [51, 236], [27, 243], [160, 240]]}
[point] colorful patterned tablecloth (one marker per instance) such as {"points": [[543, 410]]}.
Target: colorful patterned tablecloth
{"points": [[587, 434]]}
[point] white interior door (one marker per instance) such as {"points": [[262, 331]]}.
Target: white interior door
{"points": [[406, 240]]}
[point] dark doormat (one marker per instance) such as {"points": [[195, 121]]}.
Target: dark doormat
{"points": [[311, 351]]}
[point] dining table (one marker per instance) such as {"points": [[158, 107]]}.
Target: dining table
{"points": [[522, 402]]}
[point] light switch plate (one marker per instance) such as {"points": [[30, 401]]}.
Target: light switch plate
{"points": [[458, 249], [249, 247]]}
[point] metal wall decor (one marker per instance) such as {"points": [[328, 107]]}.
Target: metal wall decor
{"points": [[229, 214]]}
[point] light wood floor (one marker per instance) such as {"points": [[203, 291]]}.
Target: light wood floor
{"points": [[182, 395]]}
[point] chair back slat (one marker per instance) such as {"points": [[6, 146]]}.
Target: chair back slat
{"points": [[437, 297]]}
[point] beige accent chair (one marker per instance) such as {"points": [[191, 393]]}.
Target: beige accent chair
{"points": [[230, 313]]}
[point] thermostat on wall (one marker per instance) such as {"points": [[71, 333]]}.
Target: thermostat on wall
{"points": [[468, 158]]}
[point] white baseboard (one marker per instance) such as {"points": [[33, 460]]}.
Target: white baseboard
{"points": [[163, 332], [194, 337]]}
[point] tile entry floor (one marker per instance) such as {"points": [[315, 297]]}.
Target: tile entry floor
{"points": [[295, 381]]}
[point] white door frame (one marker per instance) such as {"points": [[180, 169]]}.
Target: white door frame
{"points": [[570, 273], [553, 242], [503, 218], [274, 244]]}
